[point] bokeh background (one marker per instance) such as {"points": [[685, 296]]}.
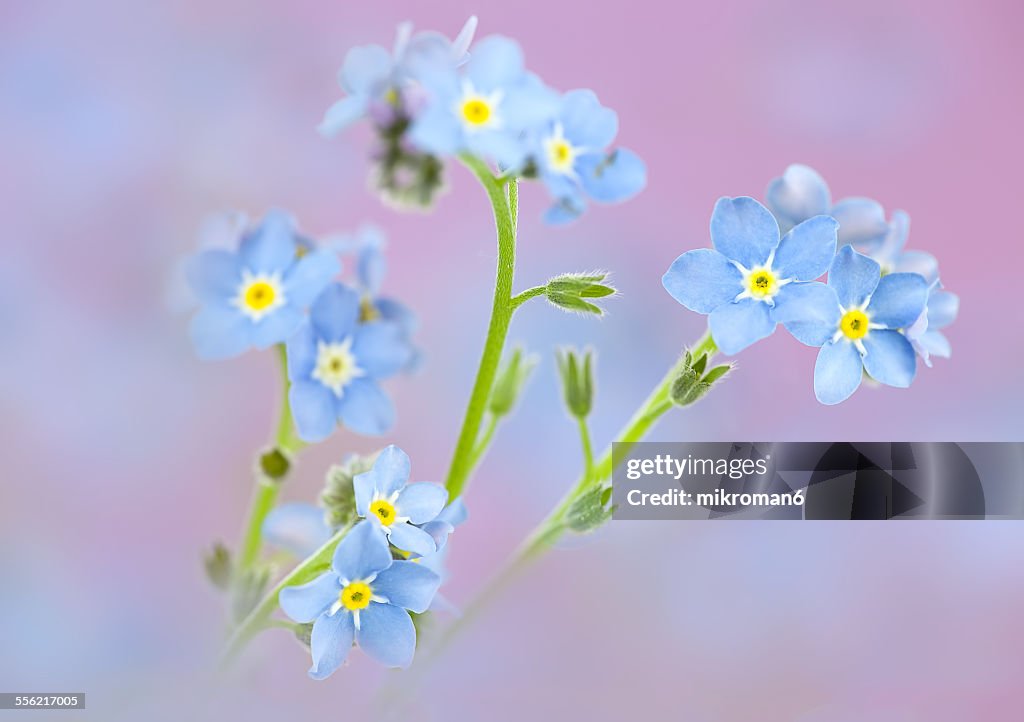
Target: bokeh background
{"points": [[124, 124]]}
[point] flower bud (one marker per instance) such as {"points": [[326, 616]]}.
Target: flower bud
{"points": [[338, 497], [570, 291], [511, 380], [577, 381], [590, 510], [218, 566], [692, 383], [274, 464]]}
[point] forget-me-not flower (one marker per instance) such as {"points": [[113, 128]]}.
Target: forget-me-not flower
{"points": [[335, 363], [571, 156], [374, 79], [297, 527], [365, 598], [801, 193], [256, 296], [384, 495], [855, 320], [751, 271], [485, 107]]}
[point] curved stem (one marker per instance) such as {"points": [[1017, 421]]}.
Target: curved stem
{"points": [[520, 298], [553, 526], [505, 207], [258, 618]]}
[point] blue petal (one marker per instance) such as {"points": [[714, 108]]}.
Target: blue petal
{"points": [[892, 244], [220, 332], [614, 177], [837, 372], [312, 406], [702, 280], [806, 252], [365, 408], [296, 527], [496, 62], [932, 343], [302, 352], [271, 247], [809, 311], [386, 634], [585, 122], [744, 231], [899, 300], [798, 195], [439, 531], [943, 308], [390, 473], [422, 501], [214, 276], [890, 358], [330, 643], [455, 513], [380, 349], [507, 149], [408, 585], [409, 538], [735, 326], [362, 553], [528, 104], [398, 313], [276, 327], [436, 130], [367, 68], [342, 114], [565, 210], [335, 312], [310, 276], [305, 603], [372, 265], [918, 262], [861, 222], [853, 276]]}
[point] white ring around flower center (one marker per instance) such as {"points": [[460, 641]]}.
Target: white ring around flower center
{"points": [[259, 294], [336, 365]]}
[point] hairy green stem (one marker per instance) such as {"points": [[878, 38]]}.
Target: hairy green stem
{"points": [[267, 490], [259, 617], [504, 205], [554, 525], [520, 298], [588, 450]]}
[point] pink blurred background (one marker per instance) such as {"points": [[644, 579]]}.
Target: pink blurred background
{"points": [[125, 123]]}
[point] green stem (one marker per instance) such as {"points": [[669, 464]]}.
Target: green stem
{"points": [[553, 526], [258, 618], [588, 450], [520, 298], [485, 441], [505, 207], [267, 490]]}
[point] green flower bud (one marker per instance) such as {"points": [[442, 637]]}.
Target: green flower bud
{"points": [[510, 382], [274, 464], [406, 177], [338, 497], [590, 510], [570, 290], [692, 383], [217, 563], [248, 591], [577, 381]]}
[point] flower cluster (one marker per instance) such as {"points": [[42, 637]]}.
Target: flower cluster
{"points": [[279, 287], [431, 99], [394, 556], [879, 306]]}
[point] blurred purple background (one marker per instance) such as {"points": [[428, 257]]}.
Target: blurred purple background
{"points": [[125, 123]]}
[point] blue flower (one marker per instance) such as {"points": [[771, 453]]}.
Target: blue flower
{"points": [[573, 161], [855, 320], [751, 272], [802, 193], [925, 333], [334, 364], [256, 296], [483, 108], [367, 246], [374, 79], [365, 598], [384, 495]]}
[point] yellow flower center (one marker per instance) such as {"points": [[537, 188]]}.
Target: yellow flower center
{"points": [[356, 596], [476, 111], [259, 295], [854, 325], [383, 510], [762, 283]]}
